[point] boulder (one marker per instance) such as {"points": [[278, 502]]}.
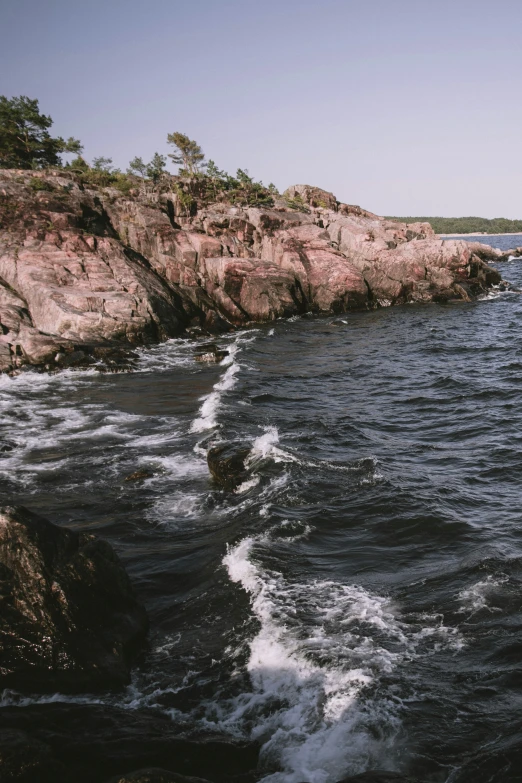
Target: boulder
{"points": [[96, 742], [210, 352], [6, 445], [24, 759], [70, 621], [139, 475], [314, 197], [227, 464], [253, 289]]}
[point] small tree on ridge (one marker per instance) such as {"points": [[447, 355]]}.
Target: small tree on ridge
{"points": [[188, 154]]}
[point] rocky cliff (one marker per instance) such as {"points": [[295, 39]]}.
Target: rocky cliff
{"points": [[85, 271]]}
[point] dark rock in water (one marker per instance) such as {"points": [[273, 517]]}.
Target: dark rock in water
{"points": [[227, 464], [69, 621], [210, 353], [96, 743], [139, 475], [26, 760], [378, 776], [6, 445], [154, 775]]}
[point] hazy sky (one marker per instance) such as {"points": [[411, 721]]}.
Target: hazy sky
{"points": [[407, 107]]}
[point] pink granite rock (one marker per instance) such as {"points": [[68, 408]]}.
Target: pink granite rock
{"points": [[84, 267]]}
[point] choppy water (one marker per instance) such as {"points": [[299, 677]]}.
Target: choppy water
{"points": [[357, 604]]}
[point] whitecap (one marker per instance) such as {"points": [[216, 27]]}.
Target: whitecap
{"points": [[476, 597], [209, 410], [320, 648]]}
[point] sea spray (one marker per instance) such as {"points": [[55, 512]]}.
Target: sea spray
{"points": [[310, 664]]}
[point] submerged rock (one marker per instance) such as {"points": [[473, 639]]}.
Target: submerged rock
{"points": [[97, 742], [210, 352], [6, 445], [70, 621], [227, 464], [139, 475]]}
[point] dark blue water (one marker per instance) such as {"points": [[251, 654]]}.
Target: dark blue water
{"points": [[355, 604]]}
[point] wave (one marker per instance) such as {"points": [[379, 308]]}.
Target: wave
{"points": [[477, 597], [321, 650], [209, 410]]}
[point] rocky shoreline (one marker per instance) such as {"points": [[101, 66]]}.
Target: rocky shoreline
{"points": [[87, 273], [70, 623]]}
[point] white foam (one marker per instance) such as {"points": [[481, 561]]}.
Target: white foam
{"points": [[320, 646], [263, 445], [476, 597], [173, 511], [248, 484], [169, 355], [291, 530], [313, 657], [267, 445], [209, 410], [180, 466]]}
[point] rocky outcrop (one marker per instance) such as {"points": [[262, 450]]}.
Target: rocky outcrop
{"points": [[69, 621], [487, 253], [97, 743], [84, 270]]}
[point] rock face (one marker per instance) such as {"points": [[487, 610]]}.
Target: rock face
{"points": [[69, 619], [97, 743], [83, 270], [24, 759]]}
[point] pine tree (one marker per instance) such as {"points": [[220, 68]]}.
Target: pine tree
{"points": [[102, 164], [25, 141], [188, 154], [156, 168], [137, 167]]}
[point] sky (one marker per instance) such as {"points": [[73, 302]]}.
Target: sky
{"points": [[405, 107]]}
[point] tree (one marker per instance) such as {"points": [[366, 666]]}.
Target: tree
{"points": [[156, 168], [153, 170], [25, 141], [213, 172], [188, 154], [137, 167], [102, 164]]}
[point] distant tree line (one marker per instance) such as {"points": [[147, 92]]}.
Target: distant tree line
{"points": [[26, 143], [466, 225]]}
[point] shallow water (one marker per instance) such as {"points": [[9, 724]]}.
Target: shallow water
{"points": [[356, 604]]}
